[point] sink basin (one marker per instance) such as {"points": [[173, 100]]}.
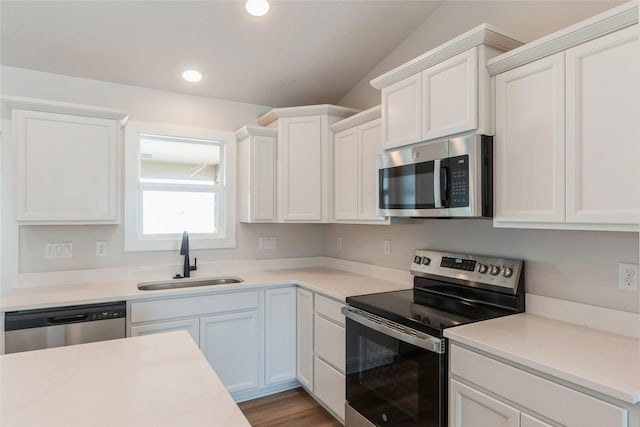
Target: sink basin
{"points": [[188, 283]]}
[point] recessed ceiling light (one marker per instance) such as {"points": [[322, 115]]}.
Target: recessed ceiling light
{"points": [[192, 76], [257, 7]]}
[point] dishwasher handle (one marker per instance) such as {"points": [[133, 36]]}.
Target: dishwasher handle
{"points": [[57, 320]]}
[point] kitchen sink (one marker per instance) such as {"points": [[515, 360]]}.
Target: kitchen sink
{"points": [[188, 283]]}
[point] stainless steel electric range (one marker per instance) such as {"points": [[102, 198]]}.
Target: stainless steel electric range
{"points": [[396, 361]]}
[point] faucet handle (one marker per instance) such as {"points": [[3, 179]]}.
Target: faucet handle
{"points": [[195, 265]]}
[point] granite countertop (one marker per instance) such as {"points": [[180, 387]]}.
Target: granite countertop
{"points": [[337, 284], [151, 380], [600, 361]]}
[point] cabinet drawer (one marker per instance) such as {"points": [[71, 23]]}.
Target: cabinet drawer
{"points": [[329, 387], [562, 404], [329, 342], [329, 309], [192, 306]]}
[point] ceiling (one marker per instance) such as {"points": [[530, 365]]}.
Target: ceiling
{"points": [[302, 52]]}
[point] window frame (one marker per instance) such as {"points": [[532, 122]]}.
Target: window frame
{"points": [[134, 239]]}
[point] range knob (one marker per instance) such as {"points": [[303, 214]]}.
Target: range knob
{"points": [[482, 268], [494, 270], [426, 260], [507, 271], [417, 259]]}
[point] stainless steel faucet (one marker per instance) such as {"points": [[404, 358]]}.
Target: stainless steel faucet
{"points": [[184, 250]]}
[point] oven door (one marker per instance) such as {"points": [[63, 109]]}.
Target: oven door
{"points": [[414, 181], [392, 379]]}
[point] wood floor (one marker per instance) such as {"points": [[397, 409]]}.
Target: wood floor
{"points": [[293, 408]]}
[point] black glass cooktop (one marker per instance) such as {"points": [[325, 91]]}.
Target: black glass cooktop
{"points": [[425, 311]]}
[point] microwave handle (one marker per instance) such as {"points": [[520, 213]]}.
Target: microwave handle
{"points": [[437, 195]]}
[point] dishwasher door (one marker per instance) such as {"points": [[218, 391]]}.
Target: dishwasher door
{"points": [[46, 328]]}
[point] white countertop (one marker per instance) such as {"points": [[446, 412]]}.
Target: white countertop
{"points": [[152, 380], [334, 283], [600, 361]]}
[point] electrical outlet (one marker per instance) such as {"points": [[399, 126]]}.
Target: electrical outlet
{"points": [[628, 277], [101, 248], [387, 247], [339, 243], [268, 243]]}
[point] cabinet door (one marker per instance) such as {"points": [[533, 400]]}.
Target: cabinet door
{"points": [[527, 420], [330, 387], [401, 112], [280, 335], [301, 163], [469, 407], [529, 142], [230, 342], [263, 177], [67, 168], [450, 96], [304, 332], [346, 174], [603, 130], [370, 146], [190, 325]]}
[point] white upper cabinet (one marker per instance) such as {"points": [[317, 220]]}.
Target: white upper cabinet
{"points": [[402, 112], [603, 130], [357, 144], [530, 143], [346, 175], [450, 96], [567, 127], [256, 150], [67, 162], [443, 92], [305, 160]]}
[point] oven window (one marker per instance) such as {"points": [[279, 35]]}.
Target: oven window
{"points": [[392, 383], [407, 187]]}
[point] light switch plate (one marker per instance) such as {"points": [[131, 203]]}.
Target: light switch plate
{"points": [[58, 250]]}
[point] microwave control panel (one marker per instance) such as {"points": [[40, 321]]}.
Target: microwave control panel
{"points": [[459, 172]]}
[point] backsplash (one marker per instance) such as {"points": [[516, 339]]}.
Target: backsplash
{"points": [[580, 266]]}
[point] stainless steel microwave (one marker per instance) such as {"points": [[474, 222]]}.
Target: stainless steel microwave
{"points": [[446, 179]]}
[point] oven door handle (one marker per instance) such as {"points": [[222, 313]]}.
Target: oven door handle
{"points": [[395, 330]]}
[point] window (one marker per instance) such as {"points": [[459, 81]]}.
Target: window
{"points": [[178, 178]]}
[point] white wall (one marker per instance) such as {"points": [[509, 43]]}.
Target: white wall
{"points": [[143, 105], [523, 20]]}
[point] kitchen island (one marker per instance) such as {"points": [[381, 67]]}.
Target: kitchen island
{"points": [[152, 380]]}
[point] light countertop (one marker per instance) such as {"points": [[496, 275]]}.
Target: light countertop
{"points": [[152, 380], [603, 362], [337, 284]]}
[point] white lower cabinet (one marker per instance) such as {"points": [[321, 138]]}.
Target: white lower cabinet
{"points": [[321, 349], [304, 332], [280, 335], [248, 337], [484, 392], [329, 354], [472, 408], [230, 342]]}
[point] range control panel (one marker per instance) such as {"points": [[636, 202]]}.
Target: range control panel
{"points": [[502, 273]]}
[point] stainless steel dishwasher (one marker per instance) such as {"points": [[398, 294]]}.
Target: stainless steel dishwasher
{"points": [[59, 326]]}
